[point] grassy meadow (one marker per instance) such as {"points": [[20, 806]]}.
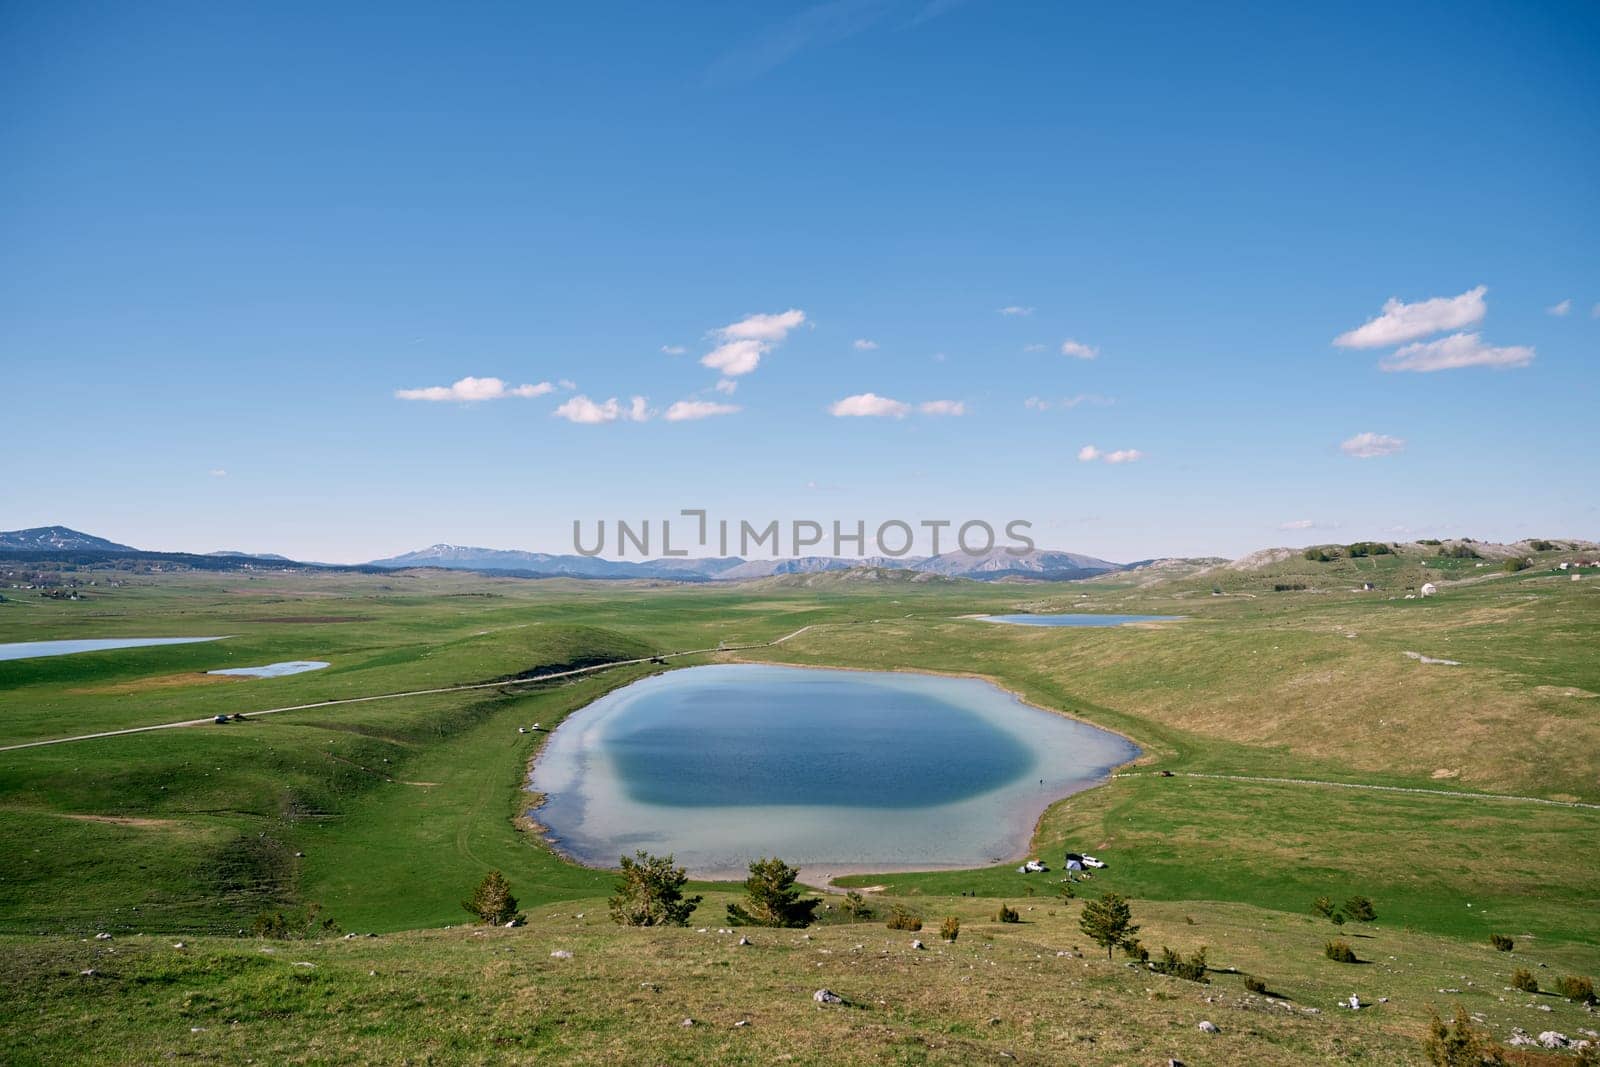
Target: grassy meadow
{"points": [[387, 812]]}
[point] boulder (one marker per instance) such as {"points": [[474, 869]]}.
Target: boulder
{"points": [[1550, 1039], [1209, 1027], [561, 954], [827, 996]]}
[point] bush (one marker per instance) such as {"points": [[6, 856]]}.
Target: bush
{"points": [[1323, 906], [1368, 548], [1501, 942], [1254, 984], [1340, 952], [492, 901], [772, 898], [1460, 1045], [856, 906], [1460, 552], [1542, 546], [1360, 909], [950, 929], [1136, 951], [651, 893], [1524, 981], [1192, 969], [1576, 988], [1007, 915], [1317, 555], [903, 918], [298, 925], [1068, 890]]}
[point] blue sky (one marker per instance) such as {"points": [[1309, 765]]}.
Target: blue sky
{"points": [[232, 235]]}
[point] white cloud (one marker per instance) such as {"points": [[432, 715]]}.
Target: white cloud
{"points": [[1078, 350], [471, 390], [1034, 348], [1297, 524], [1407, 322], [1089, 453], [1371, 445], [861, 344], [942, 407], [1034, 403], [1559, 310], [687, 410], [568, 384], [1015, 310], [674, 350], [869, 404], [581, 409], [769, 328], [726, 386], [746, 341], [218, 472], [1457, 350]]}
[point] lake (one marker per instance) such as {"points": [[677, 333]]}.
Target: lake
{"points": [[834, 771], [1076, 620], [30, 649], [275, 670]]}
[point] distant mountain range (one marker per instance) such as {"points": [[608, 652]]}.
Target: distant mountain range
{"points": [[1038, 564]]}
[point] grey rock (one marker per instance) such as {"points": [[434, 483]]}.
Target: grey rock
{"points": [[1209, 1027], [827, 996]]}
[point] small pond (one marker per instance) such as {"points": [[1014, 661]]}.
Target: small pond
{"points": [[274, 670], [1076, 620], [30, 649]]}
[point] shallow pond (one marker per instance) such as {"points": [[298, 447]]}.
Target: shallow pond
{"points": [[1076, 620], [274, 670], [30, 649], [831, 770]]}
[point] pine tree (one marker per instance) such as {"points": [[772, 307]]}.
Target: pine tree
{"points": [[1108, 922], [651, 893], [492, 901], [772, 898]]}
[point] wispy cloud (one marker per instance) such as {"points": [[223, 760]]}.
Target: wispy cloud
{"points": [[1034, 348], [869, 405], [688, 410], [581, 409], [674, 350], [472, 390], [218, 472], [1401, 322], [1560, 310], [942, 407], [1457, 350], [1089, 454], [1594, 312], [726, 386], [934, 8], [746, 341], [1035, 403], [861, 344], [1015, 310], [1297, 524], [1078, 350], [775, 45], [1371, 445]]}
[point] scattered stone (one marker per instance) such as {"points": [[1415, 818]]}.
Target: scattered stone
{"points": [[1175, 1063], [561, 954], [744, 940], [687, 1022], [299, 855], [1209, 1027], [827, 996], [1543, 1007], [742, 1022], [1519, 1038], [1550, 1039], [1354, 1003], [994, 1020], [303, 963], [372, 974], [1383, 1000], [916, 944], [102, 937], [197, 1029], [90, 973], [179, 944]]}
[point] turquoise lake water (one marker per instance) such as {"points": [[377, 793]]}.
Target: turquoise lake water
{"points": [[1076, 620], [831, 770], [30, 649]]}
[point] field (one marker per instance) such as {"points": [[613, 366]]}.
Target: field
{"points": [[387, 812]]}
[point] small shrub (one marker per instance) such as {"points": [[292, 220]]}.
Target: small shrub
{"points": [[1317, 555], [295, 925], [1323, 906], [1007, 915], [1254, 984], [1192, 969], [1524, 981], [1135, 950], [1337, 918], [1501, 942], [1340, 952], [1542, 546], [950, 929], [1458, 1045], [1360, 909], [1576, 988], [1068, 890], [651, 893], [492, 901], [1515, 564], [856, 906], [903, 918]]}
